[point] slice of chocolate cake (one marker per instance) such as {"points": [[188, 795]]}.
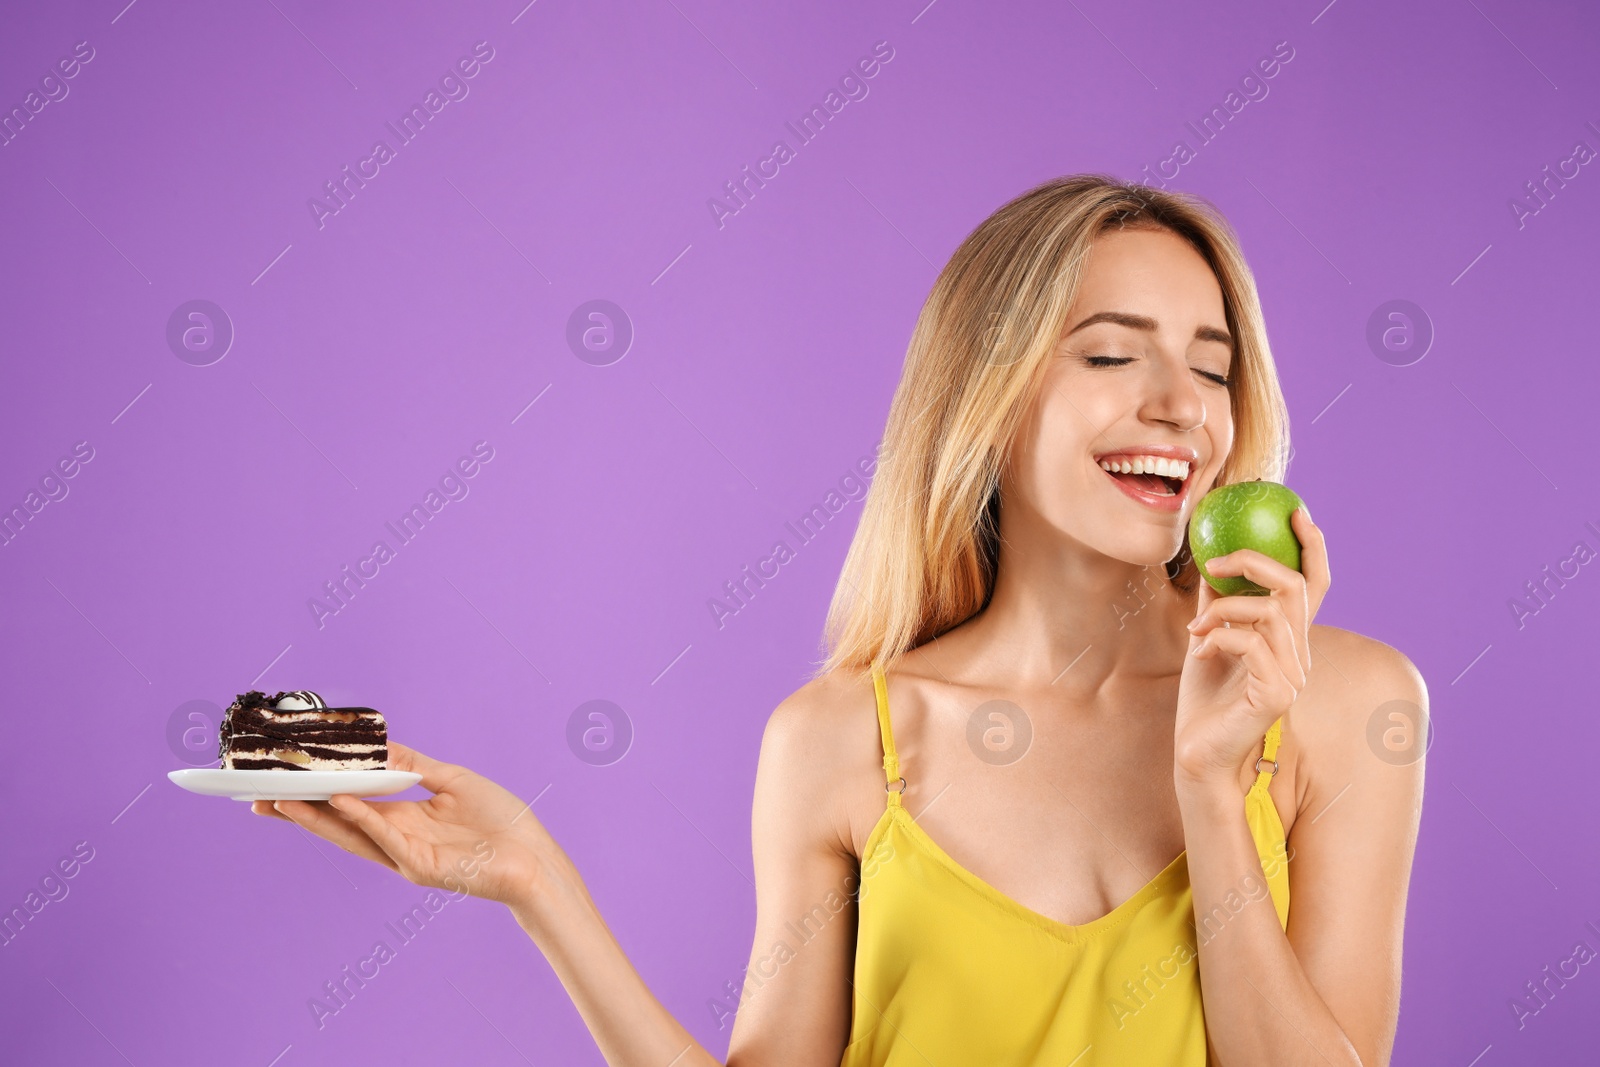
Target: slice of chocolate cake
{"points": [[298, 732]]}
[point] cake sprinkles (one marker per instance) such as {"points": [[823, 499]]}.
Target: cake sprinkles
{"points": [[297, 731]]}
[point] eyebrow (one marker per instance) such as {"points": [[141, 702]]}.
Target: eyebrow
{"points": [[1144, 322]]}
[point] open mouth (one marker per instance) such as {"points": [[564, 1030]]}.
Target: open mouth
{"points": [[1154, 484], [1156, 481]]}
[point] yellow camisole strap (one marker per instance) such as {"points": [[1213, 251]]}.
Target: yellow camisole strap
{"points": [[1269, 753], [894, 784]]}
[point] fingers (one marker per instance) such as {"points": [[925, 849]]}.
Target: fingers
{"points": [[330, 826], [264, 807], [1313, 576], [436, 775], [1266, 618], [1259, 568], [1313, 557], [1272, 688], [372, 825], [1287, 588]]}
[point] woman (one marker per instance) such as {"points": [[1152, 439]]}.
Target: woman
{"points": [[1100, 785]]}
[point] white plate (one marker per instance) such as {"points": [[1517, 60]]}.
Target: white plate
{"points": [[291, 785]]}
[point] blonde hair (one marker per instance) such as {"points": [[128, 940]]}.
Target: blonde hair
{"points": [[926, 548]]}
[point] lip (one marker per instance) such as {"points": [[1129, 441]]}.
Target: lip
{"points": [[1164, 451], [1171, 504]]}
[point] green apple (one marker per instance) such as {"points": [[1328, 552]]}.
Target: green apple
{"points": [[1251, 515]]}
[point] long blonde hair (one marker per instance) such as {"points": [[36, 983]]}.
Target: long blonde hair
{"points": [[926, 549]]}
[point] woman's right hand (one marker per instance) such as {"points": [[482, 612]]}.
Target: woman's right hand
{"points": [[471, 836]]}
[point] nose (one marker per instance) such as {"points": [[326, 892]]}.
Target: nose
{"points": [[1173, 397]]}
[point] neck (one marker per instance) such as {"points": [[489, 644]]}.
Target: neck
{"points": [[1064, 615]]}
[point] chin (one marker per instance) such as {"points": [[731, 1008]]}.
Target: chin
{"points": [[1155, 559]]}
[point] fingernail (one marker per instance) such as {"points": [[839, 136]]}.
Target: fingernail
{"points": [[1191, 624]]}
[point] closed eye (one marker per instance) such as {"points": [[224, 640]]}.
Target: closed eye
{"points": [[1117, 361]]}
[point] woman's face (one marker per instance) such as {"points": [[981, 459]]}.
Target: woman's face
{"points": [[1148, 375]]}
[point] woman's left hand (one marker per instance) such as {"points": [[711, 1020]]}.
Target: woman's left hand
{"points": [[1239, 678]]}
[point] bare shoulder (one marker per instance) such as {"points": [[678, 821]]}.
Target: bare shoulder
{"points": [[821, 750], [1349, 669], [1365, 707], [815, 759], [1372, 651], [1362, 718]]}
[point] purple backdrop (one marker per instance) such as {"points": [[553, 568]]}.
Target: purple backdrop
{"points": [[371, 317]]}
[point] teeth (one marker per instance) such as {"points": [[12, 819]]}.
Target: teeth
{"points": [[1167, 468]]}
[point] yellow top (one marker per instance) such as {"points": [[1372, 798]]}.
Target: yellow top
{"points": [[949, 970]]}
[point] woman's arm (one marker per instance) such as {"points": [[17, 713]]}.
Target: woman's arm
{"points": [[819, 748], [629, 1025], [476, 837], [1327, 992], [794, 1008]]}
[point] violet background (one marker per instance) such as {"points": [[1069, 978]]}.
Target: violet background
{"points": [[432, 311]]}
